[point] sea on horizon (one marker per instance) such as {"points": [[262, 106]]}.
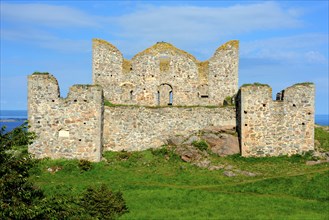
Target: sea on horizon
{"points": [[14, 118]]}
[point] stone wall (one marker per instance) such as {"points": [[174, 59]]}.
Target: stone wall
{"points": [[139, 128], [65, 128], [272, 128], [164, 74]]}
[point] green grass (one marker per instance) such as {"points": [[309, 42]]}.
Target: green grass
{"points": [[322, 135], [156, 184]]}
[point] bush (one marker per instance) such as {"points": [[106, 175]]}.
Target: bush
{"points": [[201, 145], [228, 101], [102, 203], [85, 165], [19, 199], [19, 136], [123, 155], [163, 151]]}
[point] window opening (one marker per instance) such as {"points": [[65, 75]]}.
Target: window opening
{"points": [[170, 98], [158, 97], [131, 95]]}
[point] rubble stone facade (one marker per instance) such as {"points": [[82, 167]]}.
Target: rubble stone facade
{"points": [[65, 128], [276, 127], [160, 92], [165, 75]]}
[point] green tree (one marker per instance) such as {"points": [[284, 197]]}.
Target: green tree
{"points": [[102, 203], [18, 197]]}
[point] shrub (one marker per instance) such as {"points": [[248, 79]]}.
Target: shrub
{"points": [[19, 199], [163, 151], [228, 101], [201, 145], [85, 165], [19, 136], [102, 203], [123, 155]]}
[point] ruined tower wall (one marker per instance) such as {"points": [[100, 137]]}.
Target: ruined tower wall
{"points": [[223, 71], [139, 128], [164, 74], [65, 128], [272, 128]]}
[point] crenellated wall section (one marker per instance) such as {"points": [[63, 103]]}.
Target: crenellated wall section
{"points": [[65, 128], [276, 127]]}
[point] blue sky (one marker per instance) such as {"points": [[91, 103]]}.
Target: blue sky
{"points": [[281, 42]]}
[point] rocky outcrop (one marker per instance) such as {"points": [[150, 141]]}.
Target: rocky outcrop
{"points": [[197, 147], [221, 140]]}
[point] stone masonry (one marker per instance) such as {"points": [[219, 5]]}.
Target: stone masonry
{"points": [[164, 91], [280, 127], [65, 128], [165, 75], [138, 128]]}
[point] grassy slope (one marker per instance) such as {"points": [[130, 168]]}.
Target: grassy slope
{"points": [[159, 188]]}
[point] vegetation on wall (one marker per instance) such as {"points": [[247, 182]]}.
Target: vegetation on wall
{"points": [[40, 73], [255, 84], [304, 84]]}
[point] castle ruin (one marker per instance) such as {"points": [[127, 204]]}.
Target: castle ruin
{"points": [[163, 91]]}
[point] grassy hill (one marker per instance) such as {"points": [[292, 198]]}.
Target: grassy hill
{"points": [[157, 184]]}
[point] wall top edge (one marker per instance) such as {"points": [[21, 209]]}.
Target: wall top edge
{"points": [[168, 48]]}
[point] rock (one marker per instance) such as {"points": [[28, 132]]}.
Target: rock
{"points": [[203, 163], [185, 158], [191, 139], [247, 173], [222, 144], [313, 162], [176, 140], [229, 167], [229, 173], [216, 167], [219, 129], [54, 169], [188, 153], [211, 139]]}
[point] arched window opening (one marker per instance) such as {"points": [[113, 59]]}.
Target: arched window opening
{"points": [[170, 98], [165, 94], [131, 95]]}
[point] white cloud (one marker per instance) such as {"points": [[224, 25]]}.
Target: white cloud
{"points": [[204, 23], [196, 27], [46, 40], [305, 48], [315, 57], [46, 15]]}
